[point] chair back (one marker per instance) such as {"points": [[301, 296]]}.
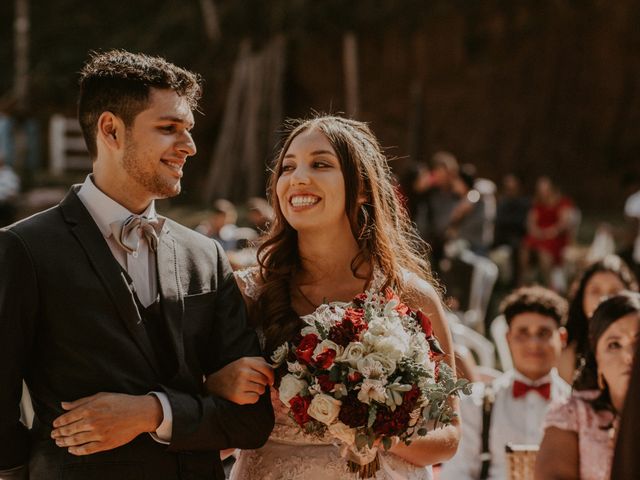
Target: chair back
{"points": [[474, 341], [521, 461], [498, 330]]}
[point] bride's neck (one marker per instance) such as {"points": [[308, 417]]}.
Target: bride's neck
{"points": [[325, 256]]}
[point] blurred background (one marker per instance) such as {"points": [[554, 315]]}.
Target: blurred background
{"points": [[508, 91]]}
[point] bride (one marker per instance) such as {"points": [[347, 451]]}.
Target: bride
{"points": [[339, 230]]}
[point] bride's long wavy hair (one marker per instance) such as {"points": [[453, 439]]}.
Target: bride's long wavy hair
{"points": [[384, 233]]}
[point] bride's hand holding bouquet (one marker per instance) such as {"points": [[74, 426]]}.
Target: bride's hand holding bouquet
{"points": [[369, 373]]}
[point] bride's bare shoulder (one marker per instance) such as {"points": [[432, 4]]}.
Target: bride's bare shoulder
{"points": [[420, 293]]}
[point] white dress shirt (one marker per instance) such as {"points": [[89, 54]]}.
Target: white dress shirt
{"points": [[141, 267], [515, 420]]}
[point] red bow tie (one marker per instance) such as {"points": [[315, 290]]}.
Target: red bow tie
{"points": [[520, 389]]}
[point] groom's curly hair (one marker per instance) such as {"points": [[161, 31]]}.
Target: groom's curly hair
{"points": [[381, 226], [118, 81]]}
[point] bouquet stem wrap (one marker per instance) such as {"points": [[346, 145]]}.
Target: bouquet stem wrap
{"points": [[364, 461]]}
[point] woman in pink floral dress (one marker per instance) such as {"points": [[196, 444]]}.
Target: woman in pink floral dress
{"points": [[580, 433]]}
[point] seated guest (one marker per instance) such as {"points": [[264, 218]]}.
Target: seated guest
{"points": [[468, 220], [221, 224], [626, 461], [513, 408], [580, 432], [511, 222], [600, 279], [549, 225], [435, 200]]}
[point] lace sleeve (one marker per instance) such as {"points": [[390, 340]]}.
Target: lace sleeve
{"points": [[248, 281], [564, 415]]}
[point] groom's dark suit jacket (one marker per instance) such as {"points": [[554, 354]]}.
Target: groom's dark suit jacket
{"points": [[70, 327]]}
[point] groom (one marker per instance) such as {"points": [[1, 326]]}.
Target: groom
{"points": [[112, 314]]}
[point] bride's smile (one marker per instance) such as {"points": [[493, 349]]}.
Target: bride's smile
{"points": [[310, 188]]}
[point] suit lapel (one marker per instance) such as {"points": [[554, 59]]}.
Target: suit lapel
{"points": [[170, 289], [108, 270]]}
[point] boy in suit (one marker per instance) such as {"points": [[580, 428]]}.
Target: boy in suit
{"points": [[513, 407]]}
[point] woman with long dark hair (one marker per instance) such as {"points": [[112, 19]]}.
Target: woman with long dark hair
{"points": [[580, 433], [339, 229], [600, 279]]}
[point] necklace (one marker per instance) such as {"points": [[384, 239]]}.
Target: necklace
{"points": [[307, 299]]}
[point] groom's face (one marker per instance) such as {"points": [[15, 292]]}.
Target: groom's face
{"points": [[158, 144]]}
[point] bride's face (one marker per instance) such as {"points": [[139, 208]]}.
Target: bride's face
{"points": [[310, 188]]}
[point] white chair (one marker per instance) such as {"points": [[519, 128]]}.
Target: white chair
{"points": [[487, 374], [67, 149], [483, 279], [474, 341], [499, 328]]}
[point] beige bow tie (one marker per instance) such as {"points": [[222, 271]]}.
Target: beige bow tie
{"points": [[128, 233]]}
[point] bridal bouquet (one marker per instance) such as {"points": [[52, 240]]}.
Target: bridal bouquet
{"points": [[368, 372]]}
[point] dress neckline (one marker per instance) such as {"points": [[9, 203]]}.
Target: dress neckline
{"points": [[376, 282]]}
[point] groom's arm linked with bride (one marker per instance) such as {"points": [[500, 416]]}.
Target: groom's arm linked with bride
{"points": [[115, 339]]}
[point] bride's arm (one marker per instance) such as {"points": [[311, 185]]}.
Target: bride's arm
{"points": [[441, 444]]}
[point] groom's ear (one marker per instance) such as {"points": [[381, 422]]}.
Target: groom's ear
{"points": [[110, 132]]}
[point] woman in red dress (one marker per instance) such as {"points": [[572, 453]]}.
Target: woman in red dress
{"points": [[548, 229]]}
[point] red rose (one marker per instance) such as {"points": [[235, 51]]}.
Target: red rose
{"points": [[353, 314], [360, 299], [305, 348], [340, 335], [425, 322], [354, 319], [353, 412], [325, 359], [299, 407], [354, 377], [326, 385], [391, 422], [349, 328]]}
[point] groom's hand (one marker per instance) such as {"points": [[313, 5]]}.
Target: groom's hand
{"points": [[105, 421], [242, 381]]}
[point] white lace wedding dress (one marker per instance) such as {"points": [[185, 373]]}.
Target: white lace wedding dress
{"points": [[290, 454]]}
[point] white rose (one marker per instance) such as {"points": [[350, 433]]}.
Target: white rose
{"points": [[378, 326], [290, 386], [392, 347], [372, 389], [280, 355], [377, 361], [343, 432], [354, 352], [324, 408], [298, 369], [309, 329]]}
